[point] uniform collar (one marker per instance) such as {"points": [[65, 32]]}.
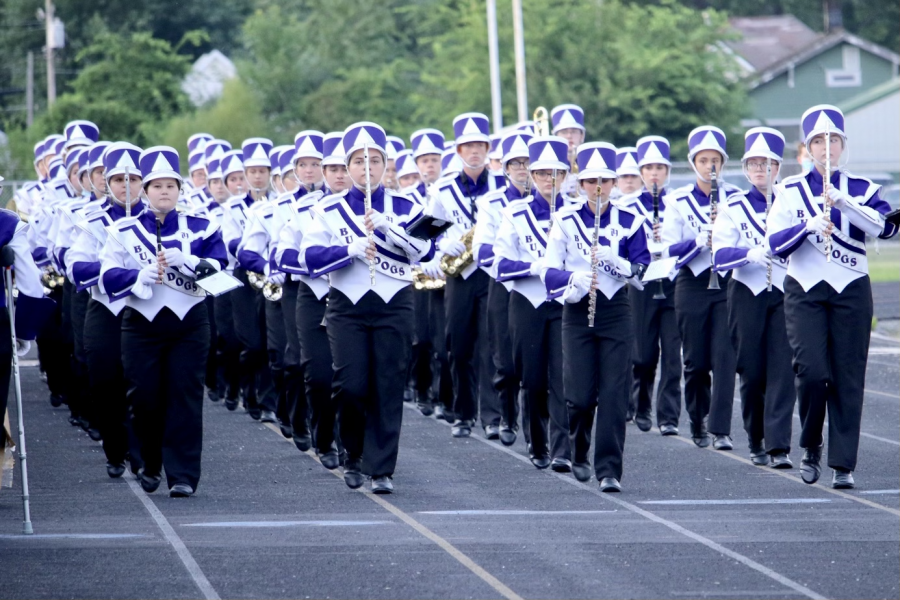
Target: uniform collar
{"points": [[587, 215], [541, 208], [473, 187], [356, 199]]}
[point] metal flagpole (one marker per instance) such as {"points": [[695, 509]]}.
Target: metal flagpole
{"points": [[494, 56], [519, 43]]}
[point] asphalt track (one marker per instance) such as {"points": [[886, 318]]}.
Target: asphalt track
{"points": [[469, 519]]}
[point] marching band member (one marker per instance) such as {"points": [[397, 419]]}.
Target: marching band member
{"points": [[655, 327], [197, 168], [247, 304], [311, 302], [827, 293], [701, 310], [568, 123], [369, 315], [407, 174], [587, 265], [534, 320], [103, 318], [394, 146], [755, 315], [495, 155], [515, 161], [455, 200], [628, 175], [152, 261]]}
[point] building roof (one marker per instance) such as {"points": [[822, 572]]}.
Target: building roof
{"points": [[891, 86], [817, 47], [767, 40]]}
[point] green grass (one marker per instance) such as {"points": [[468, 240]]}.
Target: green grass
{"points": [[884, 266]]}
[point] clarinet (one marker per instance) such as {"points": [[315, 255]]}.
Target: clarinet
{"points": [[713, 210], [768, 208], [660, 293], [368, 207], [592, 295]]}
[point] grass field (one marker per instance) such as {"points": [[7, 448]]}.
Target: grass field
{"points": [[885, 265]]}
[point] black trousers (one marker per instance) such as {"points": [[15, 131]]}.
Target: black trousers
{"points": [[55, 352], [656, 335], [249, 313], [709, 361], [228, 349], [505, 379], [443, 376], [276, 345], [536, 335], [6, 351], [165, 362], [318, 372], [759, 335], [103, 346], [829, 335], [370, 346], [294, 392], [420, 373], [212, 365], [469, 348], [78, 303], [596, 379]]}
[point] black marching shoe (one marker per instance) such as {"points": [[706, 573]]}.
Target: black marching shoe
{"points": [[461, 429], [286, 429], [303, 441], [561, 465], [667, 430], [643, 421], [700, 434], [231, 404], [582, 471], [212, 394], [610, 485], [382, 485], [330, 460], [781, 460], [115, 470], [181, 490], [439, 411], [149, 483], [758, 454], [56, 400], [267, 416], [492, 432], [810, 469], [507, 435], [541, 462], [723, 442], [353, 476], [425, 407], [842, 480], [94, 434]]}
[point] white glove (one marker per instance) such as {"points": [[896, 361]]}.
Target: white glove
{"points": [[536, 266], [602, 252], [703, 240], [379, 221], [174, 257], [432, 268], [451, 247], [22, 347], [358, 248], [839, 197], [149, 275], [582, 281], [759, 256], [276, 278], [817, 224]]}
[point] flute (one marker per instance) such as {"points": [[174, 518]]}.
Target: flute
{"points": [[768, 208], [592, 295], [826, 183], [127, 193], [368, 207]]}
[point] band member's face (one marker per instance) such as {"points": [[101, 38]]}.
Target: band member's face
{"points": [[543, 181], [430, 167], [655, 173], [308, 170], [496, 164], [217, 189], [236, 183], [409, 180], [517, 170], [289, 181], [85, 180], [591, 186], [357, 168], [628, 183], [473, 154], [573, 135], [390, 174], [48, 158], [817, 149], [163, 194], [198, 178], [705, 160], [41, 167], [98, 180], [257, 177], [117, 189], [336, 178], [276, 184], [755, 167], [74, 179]]}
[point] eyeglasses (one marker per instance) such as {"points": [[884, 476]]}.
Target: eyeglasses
{"points": [[560, 174], [759, 165], [517, 164]]}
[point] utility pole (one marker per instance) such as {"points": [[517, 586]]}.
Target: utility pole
{"points": [[494, 57], [519, 44], [51, 69], [29, 88]]}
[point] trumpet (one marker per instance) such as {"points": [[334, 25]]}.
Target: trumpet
{"points": [[272, 292], [423, 282], [453, 266], [541, 121], [256, 280]]}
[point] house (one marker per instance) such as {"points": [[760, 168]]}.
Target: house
{"points": [[789, 67]]}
